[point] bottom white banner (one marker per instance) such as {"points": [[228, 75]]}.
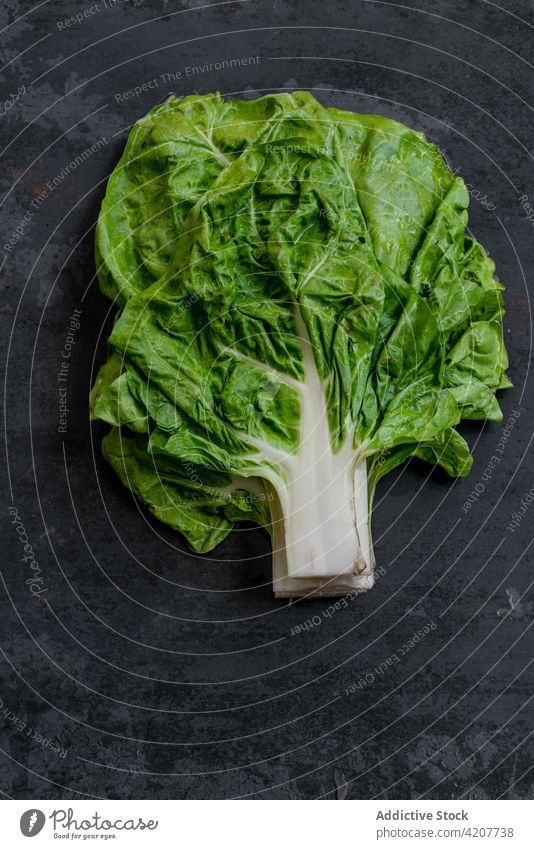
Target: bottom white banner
{"points": [[254, 824]]}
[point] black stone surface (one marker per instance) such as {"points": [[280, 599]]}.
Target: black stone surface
{"points": [[159, 674]]}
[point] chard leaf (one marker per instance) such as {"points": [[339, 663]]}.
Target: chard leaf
{"points": [[300, 311]]}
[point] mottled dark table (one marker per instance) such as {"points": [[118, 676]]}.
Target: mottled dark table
{"points": [[131, 668]]}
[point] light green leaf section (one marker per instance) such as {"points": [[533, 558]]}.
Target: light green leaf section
{"points": [[235, 233]]}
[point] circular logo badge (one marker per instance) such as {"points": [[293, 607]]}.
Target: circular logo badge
{"points": [[32, 822]]}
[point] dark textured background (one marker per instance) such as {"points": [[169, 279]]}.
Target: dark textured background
{"points": [[162, 674]]}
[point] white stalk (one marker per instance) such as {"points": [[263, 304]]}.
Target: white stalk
{"points": [[321, 538]]}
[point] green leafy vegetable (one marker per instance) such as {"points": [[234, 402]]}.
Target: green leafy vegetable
{"points": [[300, 311]]}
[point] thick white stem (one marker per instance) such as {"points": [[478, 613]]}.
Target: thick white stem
{"points": [[320, 533], [321, 538]]}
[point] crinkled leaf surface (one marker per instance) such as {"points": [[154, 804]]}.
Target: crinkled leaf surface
{"points": [[235, 236]]}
